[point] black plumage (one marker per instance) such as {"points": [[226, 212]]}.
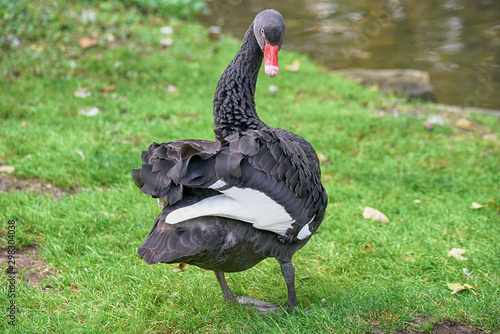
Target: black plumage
{"points": [[252, 193]]}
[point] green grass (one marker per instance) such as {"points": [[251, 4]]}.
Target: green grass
{"points": [[361, 273]]}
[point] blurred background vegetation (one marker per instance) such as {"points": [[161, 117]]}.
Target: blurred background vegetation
{"points": [[456, 41], [36, 20]]}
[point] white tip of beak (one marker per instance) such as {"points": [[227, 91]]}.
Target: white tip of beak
{"points": [[272, 70]]}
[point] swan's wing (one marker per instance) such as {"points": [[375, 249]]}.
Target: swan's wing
{"points": [[280, 169], [168, 167], [262, 177]]}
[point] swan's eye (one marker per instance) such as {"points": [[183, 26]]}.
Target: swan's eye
{"points": [[262, 32]]}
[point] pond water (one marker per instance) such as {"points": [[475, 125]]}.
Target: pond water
{"points": [[456, 41]]}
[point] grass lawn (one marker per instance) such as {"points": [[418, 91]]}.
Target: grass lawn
{"points": [[75, 119]]}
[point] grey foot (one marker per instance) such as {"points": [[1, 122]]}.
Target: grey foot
{"points": [[262, 307]]}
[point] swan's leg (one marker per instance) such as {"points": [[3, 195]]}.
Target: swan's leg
{"points": [[228, 295], [288, 271], [262, 307]]}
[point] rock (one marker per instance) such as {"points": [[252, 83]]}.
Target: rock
{"points": [[411, 83]]}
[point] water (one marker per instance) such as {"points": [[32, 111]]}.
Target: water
{"points": [[456, 41]]}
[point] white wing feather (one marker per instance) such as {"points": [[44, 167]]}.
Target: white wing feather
{"points": [[244, 204]]}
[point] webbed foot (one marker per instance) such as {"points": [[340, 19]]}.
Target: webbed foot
{"points": [[261, 306]]}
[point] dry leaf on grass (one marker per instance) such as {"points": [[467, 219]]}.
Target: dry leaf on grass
{"points": [[470, 288], [109, 88], [369, 248], [455, 287], [89, 111], [214, 33], [7, 169], [323, 159], [180, 267], [476, 206], [80, 153], [84, 92], [165, 42], [494, 204], [273, 89], [467, 273], [465, 124], [436, 119], [294, 66], [167, 30], [457, 253], [374, 214], [171, 89], [87, 42]]}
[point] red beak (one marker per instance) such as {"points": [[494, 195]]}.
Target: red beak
{"points": [[271, 59]]}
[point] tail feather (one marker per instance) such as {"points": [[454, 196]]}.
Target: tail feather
{"points": [[169, 243]]}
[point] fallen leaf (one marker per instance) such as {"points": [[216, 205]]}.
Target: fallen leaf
{"points": [[305, 277], [87, 42], [166, 42], [464, 124], [294, 66], [84, 92], [494, 204], [109, 88], [436, 119], [467, 273], [167, 30], [88, 15], [476, 206], [470, 288], [80, 153], [457, 253], [429, 126], [89, 111], [110, 37], [369, 248], [214, 33], [374, 214], [273, 89], [323, 159], [7, 169], [180, 267], [491, 136], [455, 287], [171, 89]]}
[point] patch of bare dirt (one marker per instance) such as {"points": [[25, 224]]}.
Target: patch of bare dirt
{"points": [[9, 183], [446, 327], [27, 259], [452, 327]]}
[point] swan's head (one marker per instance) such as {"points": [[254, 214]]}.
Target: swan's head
{"points": [[269, 29]]}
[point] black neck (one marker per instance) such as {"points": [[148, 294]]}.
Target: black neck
{"points": [[234, 100]]}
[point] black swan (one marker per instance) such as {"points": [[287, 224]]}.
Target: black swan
{"points": [[253, 193]]}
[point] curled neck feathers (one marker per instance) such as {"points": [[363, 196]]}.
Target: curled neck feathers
{"points": [[234, 100]]}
